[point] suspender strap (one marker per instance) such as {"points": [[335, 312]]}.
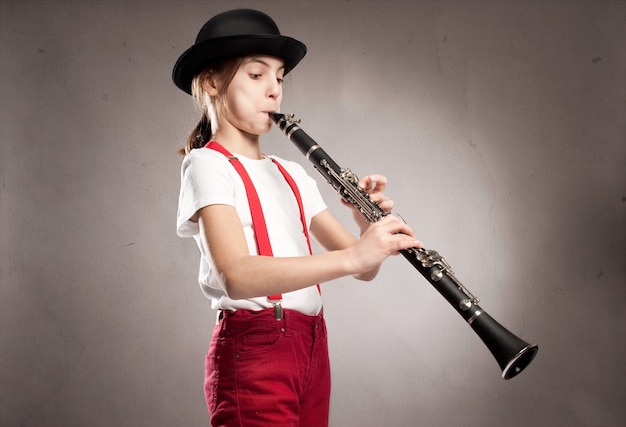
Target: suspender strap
{"points": [[264, 246], [258, 219], [296, 192]]}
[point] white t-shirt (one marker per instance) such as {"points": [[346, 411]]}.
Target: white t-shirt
{"points": [[208, 178]]}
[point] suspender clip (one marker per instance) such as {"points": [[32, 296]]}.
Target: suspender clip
{"points": [[278, 309]]}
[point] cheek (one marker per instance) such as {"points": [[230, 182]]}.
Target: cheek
{"points": [[237, 104]]}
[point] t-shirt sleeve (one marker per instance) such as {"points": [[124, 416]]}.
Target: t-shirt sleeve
{"points": [[205, 180], [313, 198], [317, 202]]}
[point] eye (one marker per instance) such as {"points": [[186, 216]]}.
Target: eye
{"points": [[280, 80], [255, 76]]}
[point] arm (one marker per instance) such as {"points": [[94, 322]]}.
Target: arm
{"points": [[331, 235], [246, 276], [374, 185]]}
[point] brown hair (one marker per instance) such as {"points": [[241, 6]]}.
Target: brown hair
{"points": [[223, 73]]}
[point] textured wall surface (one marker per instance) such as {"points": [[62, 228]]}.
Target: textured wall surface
{"points": [[500, 125]]}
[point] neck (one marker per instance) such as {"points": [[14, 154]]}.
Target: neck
{"points": [[239, 142]]}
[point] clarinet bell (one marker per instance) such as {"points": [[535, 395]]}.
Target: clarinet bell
{"points": [[512, 353]]}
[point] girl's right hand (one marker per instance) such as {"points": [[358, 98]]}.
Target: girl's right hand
{"points": [[381, 239]]}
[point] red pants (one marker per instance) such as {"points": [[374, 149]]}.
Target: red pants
{"points": [[265, 372]]}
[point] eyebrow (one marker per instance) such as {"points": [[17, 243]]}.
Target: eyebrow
{"points": [[261, 61]]}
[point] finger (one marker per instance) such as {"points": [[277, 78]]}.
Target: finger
{"points": [[373, 182], [403, 241], [404, 236], [386, 205], [378, 178], [397, 226], [392, 225]]}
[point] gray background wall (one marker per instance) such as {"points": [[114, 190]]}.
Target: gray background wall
{"points": [[499, 124]]}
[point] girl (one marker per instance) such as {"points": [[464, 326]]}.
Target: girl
{"points": [[252, 217]]}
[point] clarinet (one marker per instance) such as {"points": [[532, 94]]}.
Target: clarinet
{"points": [[512, 353]]}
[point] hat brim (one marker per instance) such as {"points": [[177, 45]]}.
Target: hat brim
{"points": [[199, 56]]}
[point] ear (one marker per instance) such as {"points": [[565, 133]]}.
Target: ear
{"points": [[209, 85]]}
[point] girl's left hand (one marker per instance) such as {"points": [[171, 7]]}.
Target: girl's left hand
{"points": [[374, 185]]}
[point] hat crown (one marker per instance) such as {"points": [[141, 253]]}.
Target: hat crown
{"points": [[239, 22]]}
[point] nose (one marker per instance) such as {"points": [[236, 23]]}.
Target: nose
{"points": [[274, 89]]}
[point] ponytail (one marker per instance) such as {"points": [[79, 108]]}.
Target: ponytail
{"points": [[201, 133], [198, 137]]}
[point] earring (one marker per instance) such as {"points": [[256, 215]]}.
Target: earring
{"points": [[211, 112], [212, 117]]}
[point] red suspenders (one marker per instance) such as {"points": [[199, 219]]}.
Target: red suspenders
{"points": [[258, 219]]}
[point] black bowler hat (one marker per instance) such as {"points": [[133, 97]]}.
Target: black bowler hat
{"points": [[235, 33]]}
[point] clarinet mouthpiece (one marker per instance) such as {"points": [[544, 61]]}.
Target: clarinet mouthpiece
{"points": [[275, 116]]}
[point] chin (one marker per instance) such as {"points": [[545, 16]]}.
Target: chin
{"points": [[268, 127]]}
